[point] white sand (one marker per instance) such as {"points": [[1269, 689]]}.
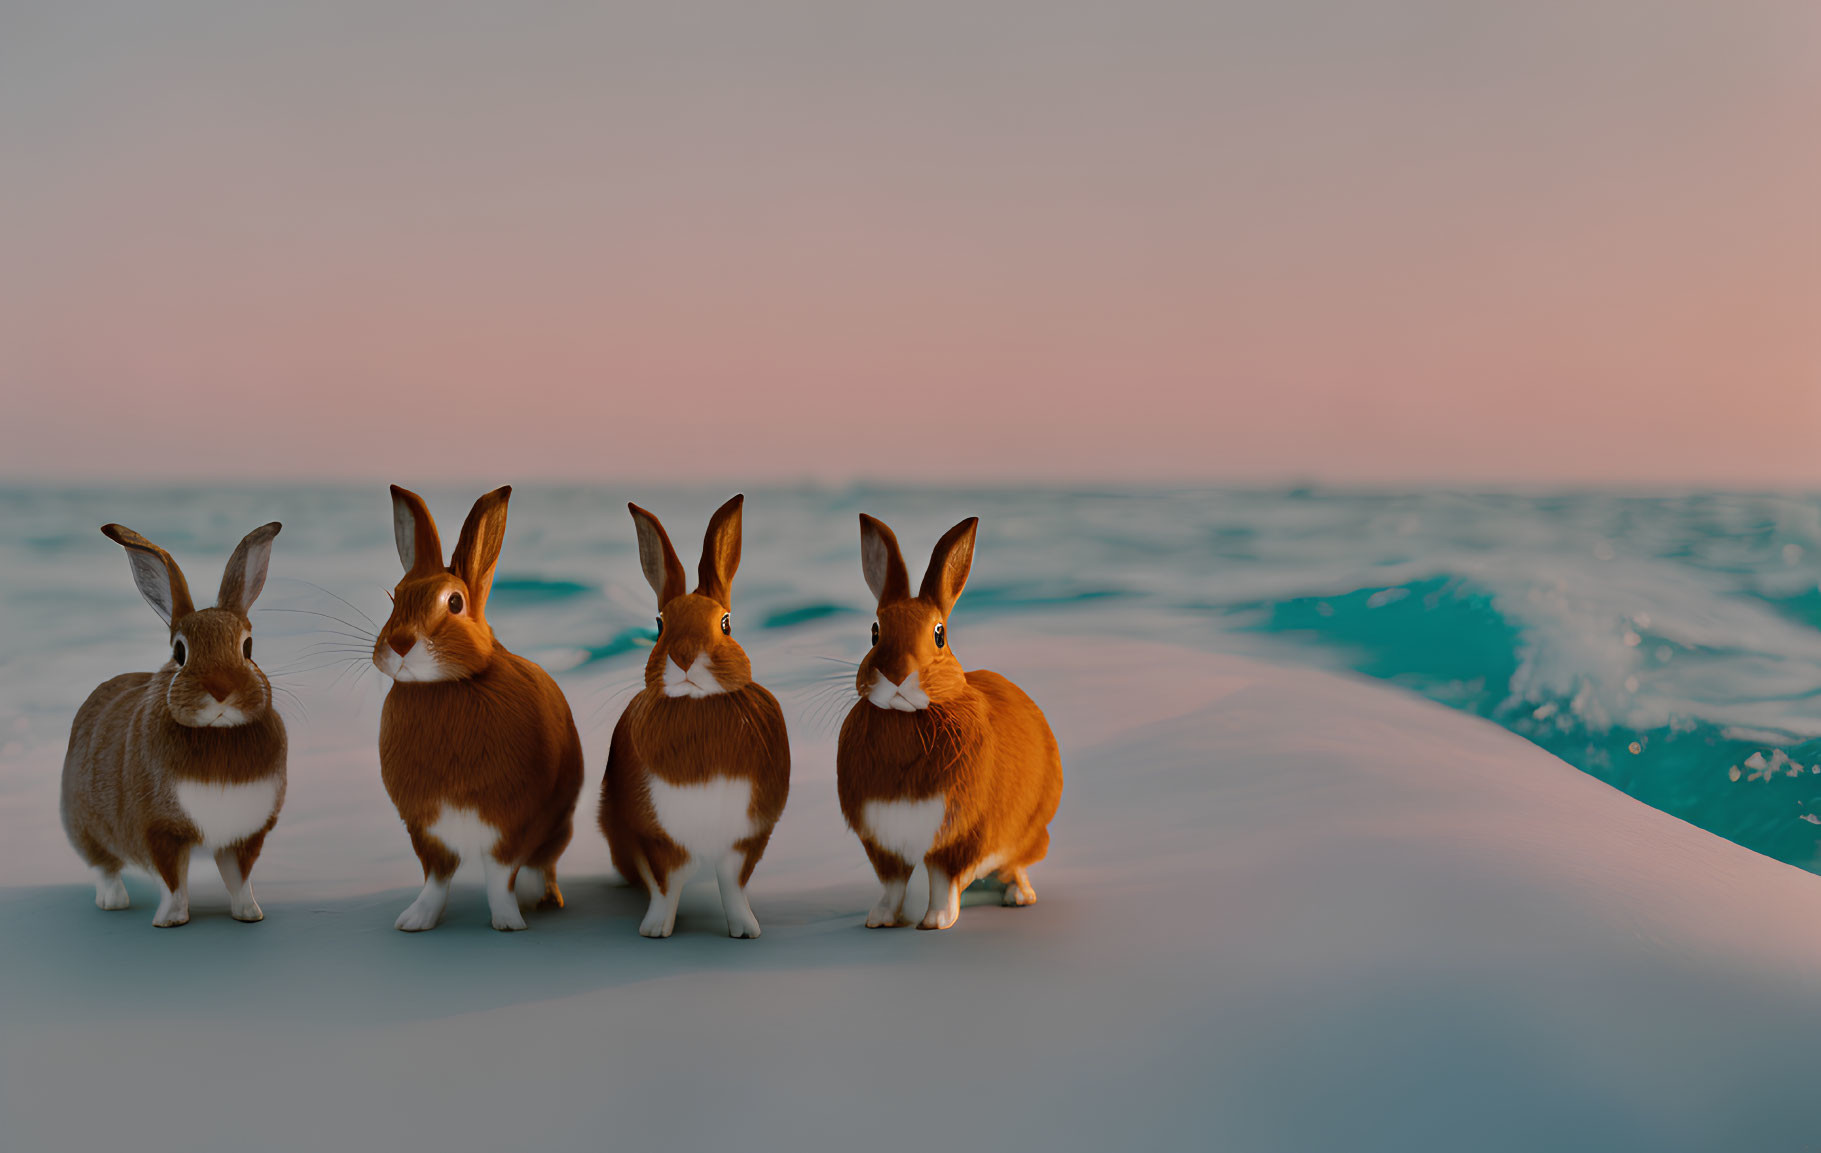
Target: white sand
{"points": [[1283, 911]]}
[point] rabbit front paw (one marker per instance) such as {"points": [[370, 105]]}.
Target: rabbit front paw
{"points": [[888, 912], [508, 920], [944, 901], [502, 902], [1019, 890], [937, 919], [427, 911], [886, 915], [110, 892], [173, 910]]}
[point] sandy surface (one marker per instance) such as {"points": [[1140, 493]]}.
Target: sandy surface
{"points": [[1283, 910]]}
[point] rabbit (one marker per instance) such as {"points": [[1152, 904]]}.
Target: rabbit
{"points": [[477, 747], [699, 768], [956, 769], [193, 754]]}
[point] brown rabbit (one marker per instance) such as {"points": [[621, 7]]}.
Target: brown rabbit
{"points": [[699, 768], [476, 745], [192, 754], [955, 769]]}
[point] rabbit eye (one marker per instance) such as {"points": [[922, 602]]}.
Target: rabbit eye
{"points": [[178, 654], [660, 626], [246, 648], [875, 632], [455, 602], [726, 624], [941, 635]]}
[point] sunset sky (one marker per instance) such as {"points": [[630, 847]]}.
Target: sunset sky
{"points": [[1427, 240]]}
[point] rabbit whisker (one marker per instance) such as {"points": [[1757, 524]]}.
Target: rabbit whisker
{"points": [[826, 702], [292, 697], [302, 668], [355, 630], [612, 692], [344, 672], [337, 634], [311, 656], [344, 646], [344, 600]]}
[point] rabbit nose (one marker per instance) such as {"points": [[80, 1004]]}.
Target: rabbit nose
{"points": [[401, 643], [218, 690], [895, 671]]}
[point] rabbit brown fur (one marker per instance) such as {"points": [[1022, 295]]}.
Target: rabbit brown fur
{"points": [[477, 747], [192, 754], [955, 770], [699, 768]]}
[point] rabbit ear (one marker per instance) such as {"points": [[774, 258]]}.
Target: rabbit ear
{"points": [[477, 551], [721, 552], [882, 562], [246, 571], [159, 579], [949, 565], [420, 550], [663, 571]]}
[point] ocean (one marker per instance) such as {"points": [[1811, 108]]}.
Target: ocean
{"points": [[1665, 644]]}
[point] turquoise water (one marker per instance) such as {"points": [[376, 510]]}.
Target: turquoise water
{"points": [[1668, 645]]}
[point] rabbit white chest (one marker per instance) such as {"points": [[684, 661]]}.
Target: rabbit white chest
{"points": [[907, 828], [227, 814], [463, 833], [706, 819]]}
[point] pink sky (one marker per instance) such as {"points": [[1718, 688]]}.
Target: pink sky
{"points": [[1433, 242]]}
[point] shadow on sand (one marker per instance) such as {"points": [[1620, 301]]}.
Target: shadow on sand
{"points": [[342, 959]]}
